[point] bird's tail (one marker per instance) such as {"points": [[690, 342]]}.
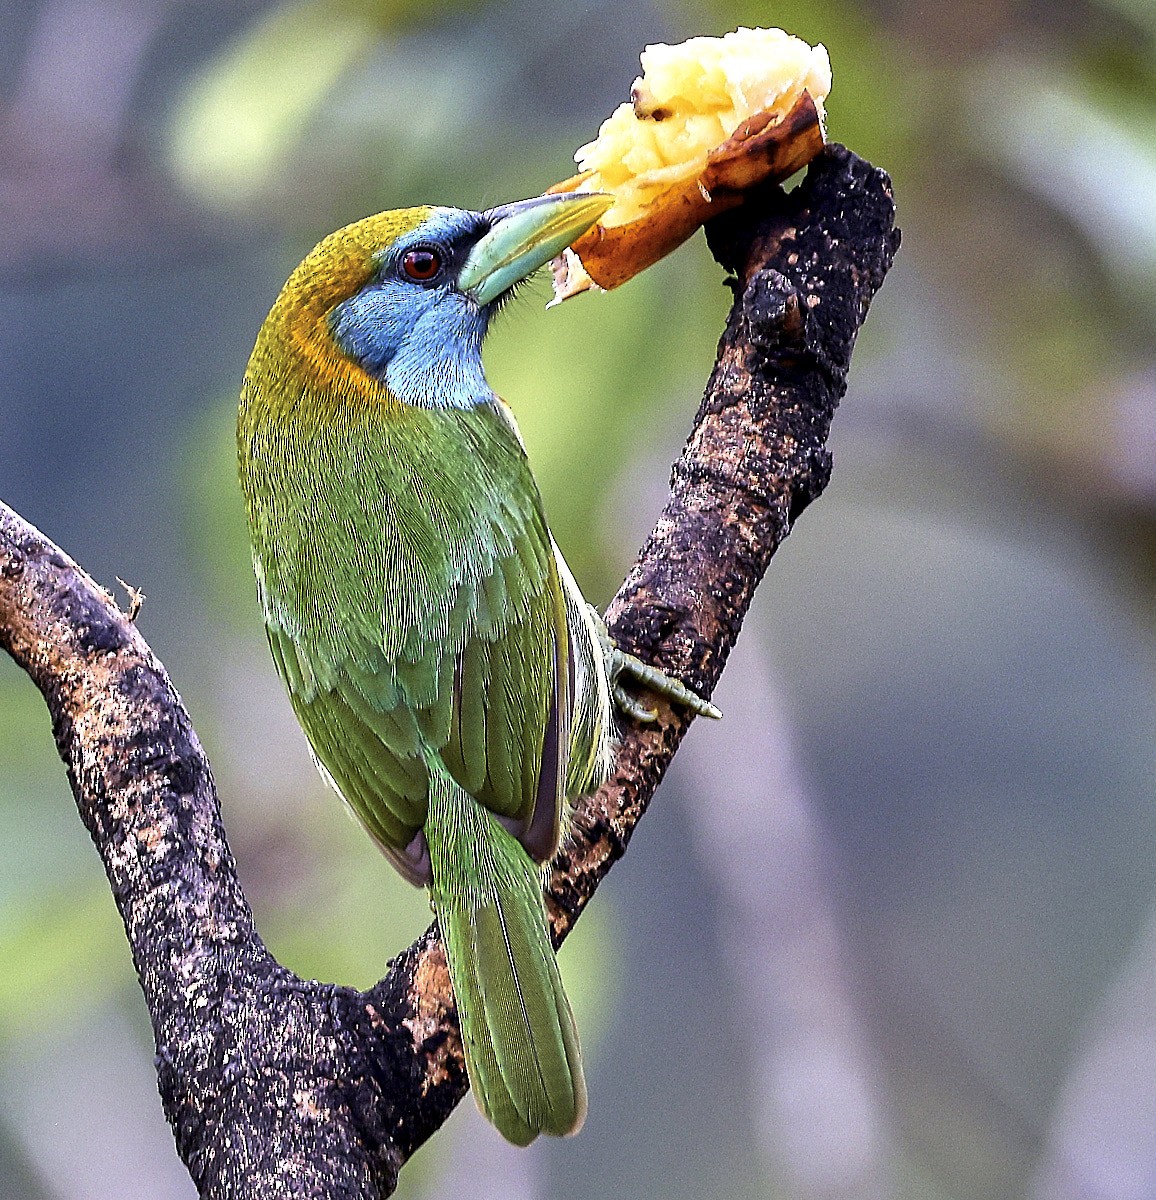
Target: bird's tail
{"points": [[520, 1040]]}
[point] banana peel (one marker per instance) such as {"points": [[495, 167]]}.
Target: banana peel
{"points": [[767, 147]]}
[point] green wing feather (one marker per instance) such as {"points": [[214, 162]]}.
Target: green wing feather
{"points": [[413, 602]]}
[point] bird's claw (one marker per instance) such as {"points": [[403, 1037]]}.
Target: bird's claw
{"points": [[631, 705], [620, 664]]}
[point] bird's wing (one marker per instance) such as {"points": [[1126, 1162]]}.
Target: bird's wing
{"points": [[414, 608], [364, 737], [508, 740]]}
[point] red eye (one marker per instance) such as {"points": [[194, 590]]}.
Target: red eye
{"points": [[422, 264]]}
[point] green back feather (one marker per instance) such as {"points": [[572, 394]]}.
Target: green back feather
{"points": [[411, 598]]}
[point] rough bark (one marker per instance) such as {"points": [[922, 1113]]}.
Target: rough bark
{"points": [[279, 1087]]}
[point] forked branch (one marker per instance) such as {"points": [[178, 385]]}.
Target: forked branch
{"points": [[278, 1087]]}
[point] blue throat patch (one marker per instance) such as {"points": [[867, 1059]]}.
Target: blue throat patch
{"points": [[424, 342]]}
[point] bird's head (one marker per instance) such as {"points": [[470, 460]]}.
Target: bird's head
{"points": [[403, 299]]}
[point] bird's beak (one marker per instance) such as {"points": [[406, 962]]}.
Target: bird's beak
{"points": [[524, 236]]}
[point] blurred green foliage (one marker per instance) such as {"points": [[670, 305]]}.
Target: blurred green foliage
{"points": [[61, 941], [1000, 413]]}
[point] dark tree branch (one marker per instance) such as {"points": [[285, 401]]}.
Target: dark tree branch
{"points": [[278, 1087]]}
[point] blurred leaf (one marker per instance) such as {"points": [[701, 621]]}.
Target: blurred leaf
{"points": [[40, 834], [238, 120], [60, 957], [216, 515], [391, 16], [602, 379], [1141, 12], [243, 118], [1095, 166], [25, 731], [61, 942], [592, 968], [348, 917]]}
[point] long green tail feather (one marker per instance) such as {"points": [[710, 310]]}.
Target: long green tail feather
{"points": [[521, 1043]]}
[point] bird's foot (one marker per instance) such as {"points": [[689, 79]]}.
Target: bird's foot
{"points": [[621, 666]]}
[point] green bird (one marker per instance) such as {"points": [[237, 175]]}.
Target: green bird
{"points": [[452, 682]]}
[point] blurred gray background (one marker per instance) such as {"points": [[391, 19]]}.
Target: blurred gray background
{"points": [[888, 929]]}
